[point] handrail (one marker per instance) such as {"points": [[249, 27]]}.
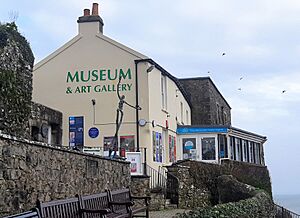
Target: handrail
{"points": [[282, 212], [172, 188], [157, 179]]}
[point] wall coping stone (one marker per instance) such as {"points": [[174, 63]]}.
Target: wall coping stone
{"points": [[55, 147], [228, 161]]}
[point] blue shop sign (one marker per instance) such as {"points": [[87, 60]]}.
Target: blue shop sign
{"points": [[189, 130], [93, 132]]}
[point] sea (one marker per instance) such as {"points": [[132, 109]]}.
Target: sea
{"points": [[290, 202]]}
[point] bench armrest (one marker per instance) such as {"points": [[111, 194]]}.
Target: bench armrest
{"points": [[101, 211], [127, 203]]}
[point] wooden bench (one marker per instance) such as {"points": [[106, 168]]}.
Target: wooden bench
{"points": [[34, 213], [65, 208], [117, 204], [95, 205], [130, 205]]}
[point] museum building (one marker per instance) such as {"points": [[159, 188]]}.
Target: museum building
{"points": [[165, 118]]}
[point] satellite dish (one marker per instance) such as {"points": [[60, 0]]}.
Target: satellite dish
{"points": [[153, 123], [142, 122]]}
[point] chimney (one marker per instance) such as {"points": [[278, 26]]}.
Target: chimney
{"points": [[90, 23], [86, 12], [95, 9]]}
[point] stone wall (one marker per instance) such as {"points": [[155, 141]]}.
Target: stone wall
{"points": [[249, 173], [16, 62], [202, 179], [140, 185], [189, 194], [208, 104], [238, 200], [31, 171]]}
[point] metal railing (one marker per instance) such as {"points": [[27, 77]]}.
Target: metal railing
{"points": [[282, 212], [158, 180]]}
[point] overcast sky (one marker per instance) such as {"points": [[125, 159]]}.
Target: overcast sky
{"points": [[261, 39]]}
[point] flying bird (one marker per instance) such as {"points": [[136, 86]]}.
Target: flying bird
{"points": [[208, 72], [240, 89], [241, 78], [223, 53], [283, 91]]}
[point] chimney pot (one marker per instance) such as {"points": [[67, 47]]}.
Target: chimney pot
{"points": [[86, 12], [95, 9]]}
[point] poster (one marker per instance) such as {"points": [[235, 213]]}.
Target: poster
{"points": [[126, 144], [189, 148], [172, 149], [76, 132], [135, 159], [157, 147]]}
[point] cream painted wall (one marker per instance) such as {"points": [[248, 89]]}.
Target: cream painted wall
{"points": [[87, 51], [174, 97], [90, 50]]}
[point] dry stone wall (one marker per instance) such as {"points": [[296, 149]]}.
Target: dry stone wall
{"points": [[31, 171]]}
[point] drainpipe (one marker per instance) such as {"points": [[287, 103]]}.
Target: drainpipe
{"points": [[137, 107]]}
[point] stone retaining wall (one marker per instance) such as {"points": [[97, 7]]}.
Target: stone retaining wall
{"points": [[198, 185], [31, 171]]}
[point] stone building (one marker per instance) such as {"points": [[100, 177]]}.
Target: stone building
{"points": [[45, 124], [209, 107]]}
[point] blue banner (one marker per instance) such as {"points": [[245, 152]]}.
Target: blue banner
{"points": [[189, 130]]}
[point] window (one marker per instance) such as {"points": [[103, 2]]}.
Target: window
{"points": [[257, 153], [208, 148], [218, 114], [245, 151], [238, 146], [223, 146], [164, 92], [222, 115], [157, 146], [109, 144], [126, 144], [35, 133], [187, 116], [225, 117], [189, 148], [251, 153], [232, 148]]}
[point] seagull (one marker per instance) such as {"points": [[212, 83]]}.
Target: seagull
{"points": [[223, 54], [283, 91], [241, 78], [208, 72], [240, 89]]}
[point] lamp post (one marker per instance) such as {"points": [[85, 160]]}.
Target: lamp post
{"points": [[137, 107]]}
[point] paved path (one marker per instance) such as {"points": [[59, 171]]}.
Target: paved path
{"points": [[165, 213]]}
